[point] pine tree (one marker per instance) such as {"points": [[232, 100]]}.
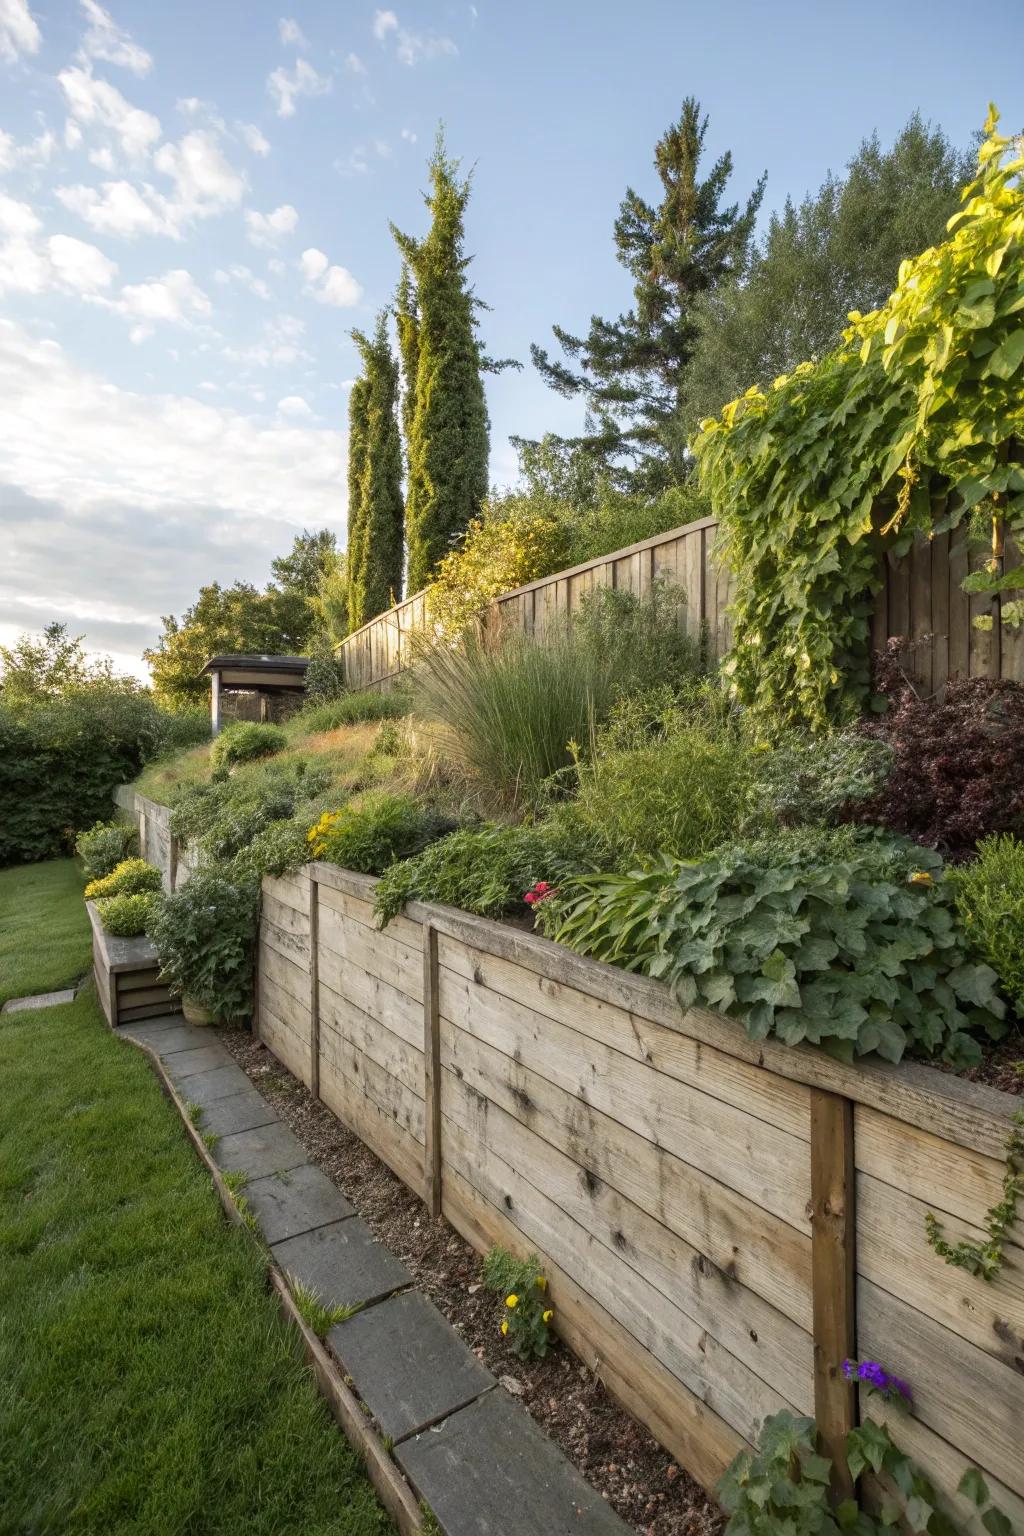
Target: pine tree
{"points": [[446, 425], [630, 371], [382, 512], [358, 414]]}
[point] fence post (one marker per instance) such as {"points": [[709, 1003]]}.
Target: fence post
{"points": [[314, 983], [833, 1276], [431, 1074]]}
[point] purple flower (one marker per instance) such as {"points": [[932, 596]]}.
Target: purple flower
{"points": [[877, 1378]]}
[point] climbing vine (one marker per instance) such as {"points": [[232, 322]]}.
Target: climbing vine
{"points": [[986, 1259], [913, 424]]}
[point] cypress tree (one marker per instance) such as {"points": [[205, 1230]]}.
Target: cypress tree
{"points": [[379, 574], [408, 327], [447, 425], [358, 411], [631, 371]]}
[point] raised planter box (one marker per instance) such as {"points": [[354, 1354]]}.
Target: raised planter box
{"points": [[127, 976]]}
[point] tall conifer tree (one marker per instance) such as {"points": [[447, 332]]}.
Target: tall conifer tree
{"points": [[358, 413], [447, 425], [378, 577], [630, 371]]}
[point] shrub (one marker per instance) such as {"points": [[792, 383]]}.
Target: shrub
{"points": [[956, 773], [62, 758], [514, 541], [127, 916], [616, 520], [990, 900], [278, 849], [782, 1486], [104, 846], [245, 741], [508, 707], [205, 934], [325, 675], [129, 878], [353, 709], [218, 820], [662, 780], [522, 1286], [807, 780], [841, 939], [485, 870], [373, 831]]}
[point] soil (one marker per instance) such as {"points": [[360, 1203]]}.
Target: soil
{"points": [[1002, 1063], [614, 1453]]}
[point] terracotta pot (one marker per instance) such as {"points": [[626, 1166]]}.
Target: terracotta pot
{"points": [[194, 1013]]}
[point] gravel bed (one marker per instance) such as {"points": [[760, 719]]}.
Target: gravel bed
{"points": [[616, 1455]]}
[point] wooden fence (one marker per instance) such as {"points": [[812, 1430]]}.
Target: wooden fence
{"points": [[722, 1222], [920, 599]]}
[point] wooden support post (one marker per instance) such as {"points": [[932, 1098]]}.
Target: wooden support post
{"points": [[833, 1273], [314, 986], [431, 1074], [172, 862]]}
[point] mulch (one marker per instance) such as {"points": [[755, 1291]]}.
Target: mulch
{"points": [[614, 1453]]}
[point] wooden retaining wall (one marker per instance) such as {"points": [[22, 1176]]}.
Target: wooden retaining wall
{"points": [[722, 1222], [156, 845], [920, 598]]}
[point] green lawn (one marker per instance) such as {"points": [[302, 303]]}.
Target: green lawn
{"points": [[148, 1383], [45, 939]]}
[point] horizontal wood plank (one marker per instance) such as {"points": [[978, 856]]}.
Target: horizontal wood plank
{"points": [[342, 1020], [749, 1245], [391, 1142], [769, 1166]]}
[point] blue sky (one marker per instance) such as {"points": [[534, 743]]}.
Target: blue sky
{"points": [[194, 206]]}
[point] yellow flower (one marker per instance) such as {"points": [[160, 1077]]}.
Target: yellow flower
{"points": [[541, 1283], [547, 1316], [920, 877], [512, 1301], [504, 1326]]}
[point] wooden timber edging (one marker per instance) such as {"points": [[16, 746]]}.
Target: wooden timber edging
{"points": [[722, 1221], [920, 598], [127, 976]]}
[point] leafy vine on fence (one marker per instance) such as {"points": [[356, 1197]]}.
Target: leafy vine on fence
{"points": [[913, 424], [986, 1259]]}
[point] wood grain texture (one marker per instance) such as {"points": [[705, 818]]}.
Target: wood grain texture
{"points": [[431, 1075], [833, 1267]]}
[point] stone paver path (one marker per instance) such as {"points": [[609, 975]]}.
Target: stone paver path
{"points": [[41, 1000], [469, 1450]]}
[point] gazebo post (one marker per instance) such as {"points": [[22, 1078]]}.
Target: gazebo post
{"points": [[215, 702]]}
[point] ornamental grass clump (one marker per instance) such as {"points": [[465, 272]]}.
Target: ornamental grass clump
{"points": [[129, 878], [844, 939]]}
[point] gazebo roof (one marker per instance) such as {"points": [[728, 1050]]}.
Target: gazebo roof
{"points": [[288, 666]]}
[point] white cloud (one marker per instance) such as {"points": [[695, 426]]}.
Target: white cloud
{"points": [[30, 264], [339, 287], [38, 151], [176, 490], [411, 47], [245, 277], [327, 284], [253, 139], [18, 30], [204, 184], [104, 39], [286, 87], [98, 104], [358, 161], [175, 297], [408, 136], [19, 219], [115, 208], [270, 228], [79, 265], [291, 33], [354, 64], [313, 264], [295, 406], [279, 346]]}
